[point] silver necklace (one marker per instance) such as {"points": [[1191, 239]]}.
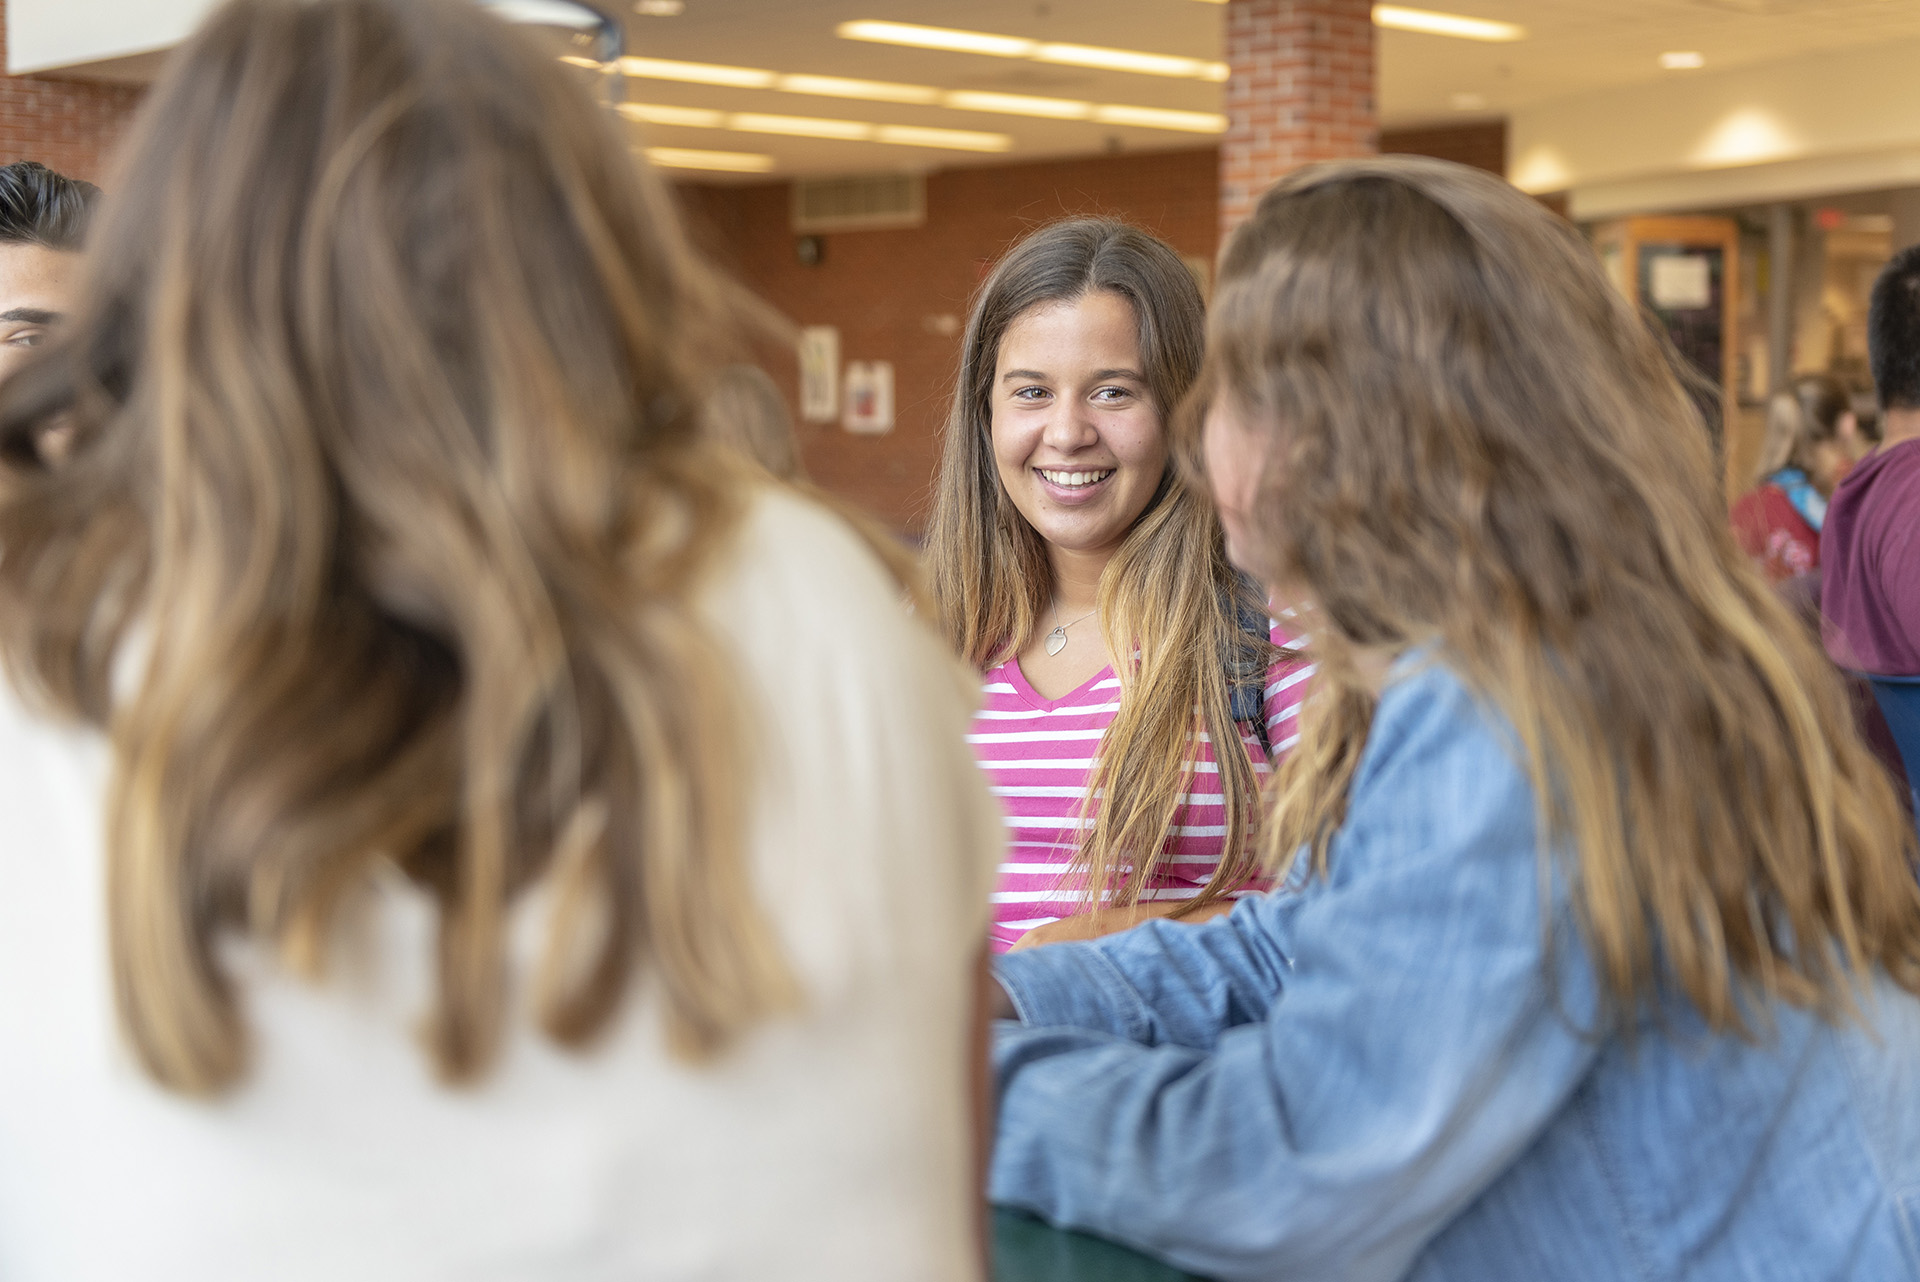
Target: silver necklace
{"points": [[1057, 639]]}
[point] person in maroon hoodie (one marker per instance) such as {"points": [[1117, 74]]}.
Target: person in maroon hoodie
{"points": [[1870, 542]]}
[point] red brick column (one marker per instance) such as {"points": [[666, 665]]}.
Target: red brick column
{"points": [[67, 125], [1300, 90]]}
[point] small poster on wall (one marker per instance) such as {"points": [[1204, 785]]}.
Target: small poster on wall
{"points": [[869, 404], [819, 373]]}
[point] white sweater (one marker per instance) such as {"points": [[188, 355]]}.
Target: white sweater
{"points": [[831, 1145]]}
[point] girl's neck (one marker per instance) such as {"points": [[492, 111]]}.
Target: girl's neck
{"points": [[1076, 578]]}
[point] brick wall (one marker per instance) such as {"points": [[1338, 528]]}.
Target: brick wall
{"points": [[67, 125], [1301, 90], [894, 294], [901, 295], [1482, 144]]}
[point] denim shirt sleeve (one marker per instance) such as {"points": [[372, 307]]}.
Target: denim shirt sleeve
{"points": [[1161, 982], [1315, 1085]]}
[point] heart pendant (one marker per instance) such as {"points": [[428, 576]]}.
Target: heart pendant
{"points": [[1056, 640]]}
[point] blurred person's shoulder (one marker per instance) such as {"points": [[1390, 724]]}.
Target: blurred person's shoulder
{"points": [[801, 590]]}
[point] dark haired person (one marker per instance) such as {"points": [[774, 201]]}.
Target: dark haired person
{"points": [[1870, 544], [43, 219]]}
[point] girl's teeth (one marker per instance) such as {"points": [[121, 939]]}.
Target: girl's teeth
{"points": [[1076, 478]]}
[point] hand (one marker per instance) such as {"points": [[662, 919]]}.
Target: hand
{"points": [[1108, 921]]}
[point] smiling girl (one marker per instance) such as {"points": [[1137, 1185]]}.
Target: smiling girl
{"points": [[1088, 584]]}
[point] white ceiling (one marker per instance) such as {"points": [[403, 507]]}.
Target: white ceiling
{"points": [[1572, 46]]}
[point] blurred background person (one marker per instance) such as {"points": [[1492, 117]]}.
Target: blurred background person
{"points": [[43, 221], [1087, 582], [1812, 439], [1870, 547], [43, 224], [492, 835], [1607, 960], [745, 410]]}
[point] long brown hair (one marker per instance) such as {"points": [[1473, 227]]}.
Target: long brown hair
{"points": [[1169, 601], [1474, 444], [386, 455]]}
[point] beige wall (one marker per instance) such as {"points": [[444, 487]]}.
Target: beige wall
{"points": [[1779, 131]]}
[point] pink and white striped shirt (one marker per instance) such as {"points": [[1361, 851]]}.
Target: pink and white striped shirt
{"points": [[1038, 754]]}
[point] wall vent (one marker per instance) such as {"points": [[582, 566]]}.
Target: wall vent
{"points": [[861, 202]]}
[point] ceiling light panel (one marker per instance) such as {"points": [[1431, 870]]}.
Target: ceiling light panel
{"points": [[999, 46], [1197, 122], [1018, 104], [698, 73], [1144, 64], [1008, 104], [654, 113], [734, 162], [947, 139], [869, 90], [918, 37], [1432, 23], [755, 122]]}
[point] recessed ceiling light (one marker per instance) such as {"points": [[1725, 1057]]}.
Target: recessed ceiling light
{"points": [[735, 162], [1205, 122], [1467, 101], [999, 46], [660, 8], [1145, 64], [949, 139], [661, 114], [1198, 122], [870, 90], [1683, 60], [1018, 104], [1429, 22], [755, 122], [918, 37], [698, 73]]}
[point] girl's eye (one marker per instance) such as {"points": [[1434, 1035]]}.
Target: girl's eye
{"points": [[1111, 395], [1029, 393]]}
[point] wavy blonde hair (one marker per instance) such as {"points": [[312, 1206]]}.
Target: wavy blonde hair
{"points": [[1475, 444], [1169, 602], [385, 447]]}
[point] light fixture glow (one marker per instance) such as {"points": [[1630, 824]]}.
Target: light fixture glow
{"points": [[919, 37], [999, 46], [1145, 64], [734, 162], [1683, 60], [949, 139], [1197, 122], [654, 113], [869, 90], [1429, 22], [1018, 104], [755, 122], [1008, 104], [698, 73]]}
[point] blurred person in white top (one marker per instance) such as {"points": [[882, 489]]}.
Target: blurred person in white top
{"points": [[458, 824]]}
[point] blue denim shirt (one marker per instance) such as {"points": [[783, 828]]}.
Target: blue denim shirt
{"points": [[1385, 1074]]}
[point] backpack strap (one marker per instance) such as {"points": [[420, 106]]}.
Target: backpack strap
{"points": [[1246, 674]]}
